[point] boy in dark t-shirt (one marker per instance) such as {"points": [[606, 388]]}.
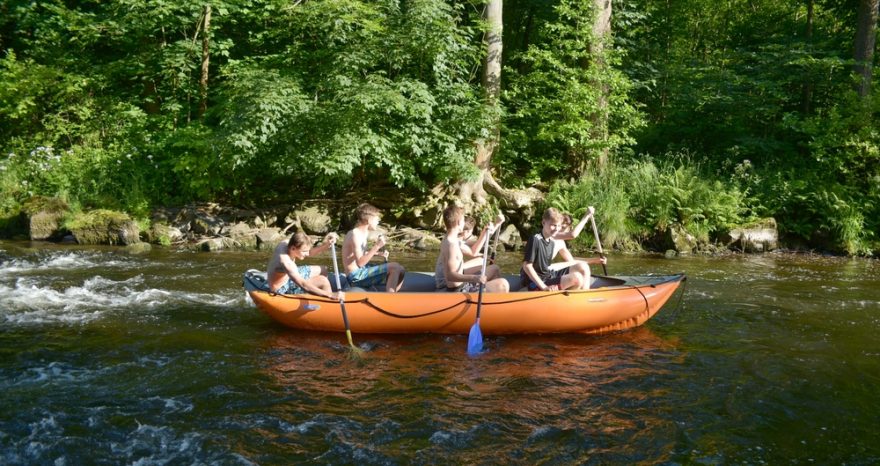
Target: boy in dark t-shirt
{"points": [[536, 271]]}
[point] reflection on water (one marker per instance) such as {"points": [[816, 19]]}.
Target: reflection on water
{"points": [[527, 397], [111, 358]]}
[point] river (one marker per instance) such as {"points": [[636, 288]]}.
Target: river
{"points": [[112, 358]]}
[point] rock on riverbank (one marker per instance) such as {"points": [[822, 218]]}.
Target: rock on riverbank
{"points": [[211, 227]]}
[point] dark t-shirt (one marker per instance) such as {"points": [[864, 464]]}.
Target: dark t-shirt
{"points": [[539, 252]]}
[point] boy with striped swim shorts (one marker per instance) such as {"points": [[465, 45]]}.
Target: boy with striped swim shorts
{"points": [[356, 256], [284, 276]]}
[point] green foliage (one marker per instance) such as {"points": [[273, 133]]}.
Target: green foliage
{"points": [[570, 102], [101, 105], [604, 189], [355, 99], [744, 84], [635, 200], [95, 219]]}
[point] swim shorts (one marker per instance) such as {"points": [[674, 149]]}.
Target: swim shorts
{"points": [[370, 275], [291, 287]]}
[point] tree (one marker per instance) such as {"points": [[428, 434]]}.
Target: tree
{"points": [[572, 105], [206, 58], [471, 190], [866, 36]]}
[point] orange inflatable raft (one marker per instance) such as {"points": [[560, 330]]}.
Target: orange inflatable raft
{"points": [[611, 304]]}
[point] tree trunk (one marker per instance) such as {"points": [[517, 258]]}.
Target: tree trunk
{"points": [[602, 25], [864, 44], [151, 98], [517, 204], [807, 89], [472, 192], [601, 33], [203, 81]]}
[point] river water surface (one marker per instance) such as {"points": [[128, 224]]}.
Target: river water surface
{"points": [[111, 358]]}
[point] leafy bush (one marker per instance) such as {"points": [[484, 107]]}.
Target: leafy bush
{"points": [[636, 200]]}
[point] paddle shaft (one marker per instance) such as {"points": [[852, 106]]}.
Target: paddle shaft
{"points": [[598, 243], [341, 301], [482, 272], [495, 243]]}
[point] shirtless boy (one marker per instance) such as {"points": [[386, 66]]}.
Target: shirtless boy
{"points": [[285, 277], [356, 256], [567, 233], [451, 273]]}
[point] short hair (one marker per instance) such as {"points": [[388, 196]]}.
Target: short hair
{"points": [[451, 216], [298, 240], [469, 222], [552, 215], [364, 211], [566, 220]]}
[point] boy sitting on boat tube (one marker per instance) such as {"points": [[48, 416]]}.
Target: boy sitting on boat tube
{"points": [[451, 272], [356, 256], [536, 272], [568, 233], [285, 277]]}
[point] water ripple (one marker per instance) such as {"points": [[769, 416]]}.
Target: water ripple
{"points": [[30, 301]]}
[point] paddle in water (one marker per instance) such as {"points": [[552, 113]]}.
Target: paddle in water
{"points": [[598, 243], [475, 337], [355, 351]]}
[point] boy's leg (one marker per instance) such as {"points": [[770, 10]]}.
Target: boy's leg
{"points": [[582, 268], [493, 272], [395, 277], [577, 276], [321, 282], [475, 262], [571, 280], [498, 285]]}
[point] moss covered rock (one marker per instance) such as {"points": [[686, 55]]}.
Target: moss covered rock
{"points": [[44, 226], [45, 217], [760, 236], [104, 227]]}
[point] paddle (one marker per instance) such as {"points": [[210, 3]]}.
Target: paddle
{"points": [[355, 351], [598, 243], [495, 241], [475, 338]]}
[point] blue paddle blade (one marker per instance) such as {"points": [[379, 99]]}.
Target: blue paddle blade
{"points": [[475, 340]]}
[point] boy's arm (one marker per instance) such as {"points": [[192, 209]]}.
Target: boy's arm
{"points": [[360, 258], [450, 267], [289, 265], [565, 253], [329, 240], [580, 226], [476, 249]]}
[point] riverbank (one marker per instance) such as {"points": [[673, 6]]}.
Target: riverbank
{"points": [[212, 227]]}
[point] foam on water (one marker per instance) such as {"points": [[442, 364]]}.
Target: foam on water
{"points": [[65, 261], [38, 300]]}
